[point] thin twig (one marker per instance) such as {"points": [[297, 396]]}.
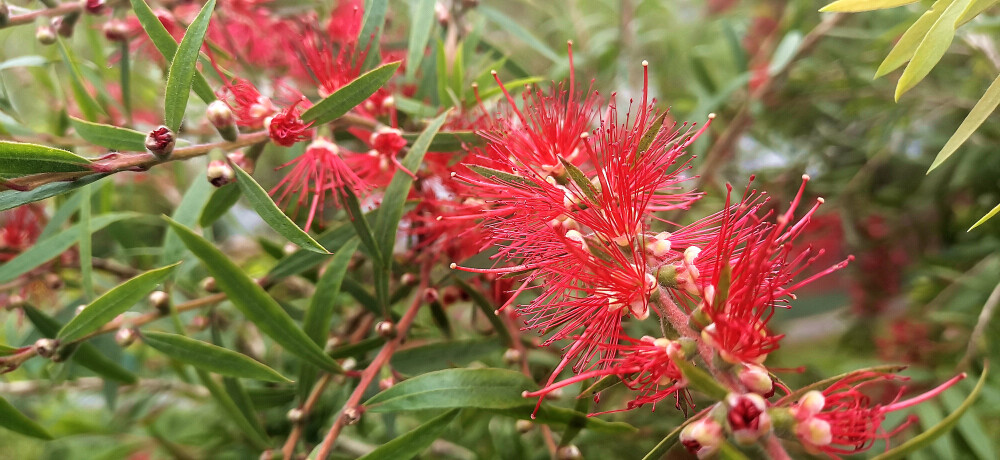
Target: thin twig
{"points": [[27, 18]]}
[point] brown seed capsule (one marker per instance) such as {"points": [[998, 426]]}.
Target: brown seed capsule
{"points": [[160, 301], [219, 173], [208, 284], [386, 329], [45, 34], [161, 141], [351, 415], [569, 452], [125, 337], [46, 347]]}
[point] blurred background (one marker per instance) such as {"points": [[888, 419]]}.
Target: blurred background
{"points": [[793, 93]]}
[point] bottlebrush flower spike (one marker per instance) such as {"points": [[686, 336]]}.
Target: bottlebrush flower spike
{"points": [[745, 288], [320, 169], [843, 420], [250, 107]]}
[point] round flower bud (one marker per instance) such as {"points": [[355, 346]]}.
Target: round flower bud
{"points": [[267, 455], [221, 117], [748, 418], [810, 404], [208, 284], [756, 379], [349, 364], [702, 438], [386, 383], [160, 301], [125, 337], [160, 142], [523, 426], [569, 452], [408, 279], [115, 30], [292, 248], [199, 323], [430, 295], [351, 415], [45, 34], [79, 309], [295, 415], [65, 25], [814, 432], [94, 6], [15, 301], [450, 295], [331, 344], [385, 329], [53, 281], [46, 347], [219, 173]]}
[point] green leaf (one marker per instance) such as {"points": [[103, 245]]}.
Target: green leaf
{"points": [[449, 141], [926, 438], [454, 388], [186, 214], [182, 68], [974, 9], [650, 135], [489, 310], [43, 251], [979, 113], [24, 61], [271, 214], [903, 50], [415, 441], [350, 95], [580, 179], [931, 48], [10, 199], [249, 428], [316, 323], [112, 137], [20, 159], [985, 218], [854, 6], [88, 106], [253, 301], [391, 210], [518, 31], [442, 355], [12, 419], [86, 354], [62, 214], [355, 350], [700, 380], [166, 45], [421, 23], [222, 199], [496, 174], [113, 303], [371, 30], [85, 248], [361, 225], [7, 350], [210, 357]]}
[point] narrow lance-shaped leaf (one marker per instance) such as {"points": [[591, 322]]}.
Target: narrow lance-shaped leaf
{"points": [[949, 422], [303, 260], [218, 204], [518, 31], [113, 303], [700, 380], [20, 159], [854, 6], [661, 448], [448, 141], [350, 95], [491, 173], [88, 106], [186, 214], [979, 113], [391, 210], [12, 419], [112, 137], [166, 45], [373, 23], [985, 218], [43, 251], [257, 438], [421, 23], [273, 216], [210, 357], [86, 354], [580, 179], [551, 415], [453, 388], [415, 441], [489, 310], [931, 48], [975, 9], [182, 68], [10, 199], [904, 48], [253, 301]]}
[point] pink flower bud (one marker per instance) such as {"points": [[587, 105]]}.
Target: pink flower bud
{"points": [[94, 6], [45, 34], [221, 117], [160, 142], [756, 379], [702, 438], [125, 337], [220, 173], [46, 347], [748, 418], [115, 30]]}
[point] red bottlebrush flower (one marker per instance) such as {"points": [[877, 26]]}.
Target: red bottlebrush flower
{"points": [[387, 141], [645, 366], [286, 127], [842, 419], [345, 20], [19, 229], [248, 105], [752, 275], [320, 169]]}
